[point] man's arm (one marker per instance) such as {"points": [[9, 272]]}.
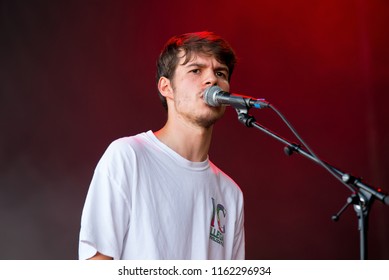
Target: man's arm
{"points": [[100, 256]]}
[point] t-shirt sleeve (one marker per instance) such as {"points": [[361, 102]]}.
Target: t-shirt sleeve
{"points": [[106, 214]]}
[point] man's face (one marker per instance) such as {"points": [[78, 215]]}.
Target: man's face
{"points": [[189, 83]]}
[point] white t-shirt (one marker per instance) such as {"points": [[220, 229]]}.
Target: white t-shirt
{"points": [[145, 201]]}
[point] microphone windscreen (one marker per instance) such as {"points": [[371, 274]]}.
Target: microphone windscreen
{"points": [[210, 96]]}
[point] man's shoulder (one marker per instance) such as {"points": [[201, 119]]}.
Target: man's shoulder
{"points": [[126, 145], [126, 142], [224, 177]]}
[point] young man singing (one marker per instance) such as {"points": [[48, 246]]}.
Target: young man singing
{"points": [[156, 195]]}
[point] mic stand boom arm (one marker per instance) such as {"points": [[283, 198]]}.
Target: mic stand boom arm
{"points": [[362, 196]]}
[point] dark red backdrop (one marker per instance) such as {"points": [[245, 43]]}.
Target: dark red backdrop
{"points": [[77, 74]]}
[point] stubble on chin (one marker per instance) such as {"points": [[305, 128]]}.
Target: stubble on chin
{"points": [[210, 119]]}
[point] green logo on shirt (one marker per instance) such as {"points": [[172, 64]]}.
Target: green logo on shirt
{"points": [[217, 231]]}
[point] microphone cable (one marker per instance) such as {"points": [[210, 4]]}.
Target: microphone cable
{"points": [[312, 153]]}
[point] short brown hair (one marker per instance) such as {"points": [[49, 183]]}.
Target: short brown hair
{"points": [[199, 42]]}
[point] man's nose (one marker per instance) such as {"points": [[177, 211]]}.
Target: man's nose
{"points": [[210, 78]]}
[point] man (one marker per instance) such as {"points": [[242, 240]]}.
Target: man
{"points": [[157, 195]]}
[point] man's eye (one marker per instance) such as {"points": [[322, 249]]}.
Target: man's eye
{"points": [[196, 71], [221, 74]]}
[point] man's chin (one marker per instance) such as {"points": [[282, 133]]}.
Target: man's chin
{"points": [[212, 118]]}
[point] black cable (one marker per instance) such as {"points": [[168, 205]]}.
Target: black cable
{"points": [[323, 164]]}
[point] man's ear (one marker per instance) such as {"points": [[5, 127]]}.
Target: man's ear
{"points": [[165, 87]]}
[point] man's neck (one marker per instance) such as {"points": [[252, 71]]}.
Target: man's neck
{"points": [[191, 142]]}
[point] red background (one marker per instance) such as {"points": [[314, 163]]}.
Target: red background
{"points": [[76, 75]]}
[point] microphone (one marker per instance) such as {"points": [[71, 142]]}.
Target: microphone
{"points": [[214, 96]]}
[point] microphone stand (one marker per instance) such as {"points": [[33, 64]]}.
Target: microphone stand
{"points": [[362, 197]]}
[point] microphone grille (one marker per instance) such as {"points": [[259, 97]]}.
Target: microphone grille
{"points": [[210, 96]]}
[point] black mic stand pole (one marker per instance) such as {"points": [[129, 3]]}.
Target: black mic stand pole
{"points": [[363, 195]]}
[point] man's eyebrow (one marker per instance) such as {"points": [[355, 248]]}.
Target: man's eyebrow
{"points": [[202, 65], [222, 68], [195, 64]]}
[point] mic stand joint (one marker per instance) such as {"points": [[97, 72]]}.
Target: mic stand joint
{"points": [[290, 149], [244, 117], [353, 199]]}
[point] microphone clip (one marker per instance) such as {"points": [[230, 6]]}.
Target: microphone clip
{"points": [[244, 117]]}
